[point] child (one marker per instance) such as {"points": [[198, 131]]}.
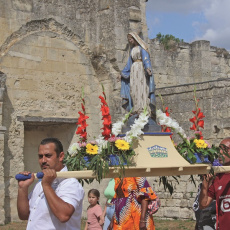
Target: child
{"points": [[94, 211]]}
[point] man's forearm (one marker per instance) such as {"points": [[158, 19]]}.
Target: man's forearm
{"points": [[204, 200], [23, 204], [62, 210]]}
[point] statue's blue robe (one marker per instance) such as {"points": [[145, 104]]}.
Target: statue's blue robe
{"points": [[125, 81]]}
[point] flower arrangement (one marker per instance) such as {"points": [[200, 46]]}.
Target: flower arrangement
{"points": [[193, 149], [108, 149]]}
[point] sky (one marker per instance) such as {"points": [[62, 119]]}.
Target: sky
{"points": [[191, 20]]}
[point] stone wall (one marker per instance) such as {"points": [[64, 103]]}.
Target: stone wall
{"points": [[188, 63], [214, 103], [49, 50], [2, 154]]}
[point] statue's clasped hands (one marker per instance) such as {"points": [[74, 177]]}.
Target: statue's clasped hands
{"points": [[149, 72]]}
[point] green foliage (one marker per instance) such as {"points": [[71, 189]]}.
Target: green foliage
{"points": [[168, 185], [187, 148], [99, 162], [166, 39]]}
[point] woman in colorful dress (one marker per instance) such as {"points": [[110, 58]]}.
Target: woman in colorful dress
{"points": [[132, 197], [137, 81]]}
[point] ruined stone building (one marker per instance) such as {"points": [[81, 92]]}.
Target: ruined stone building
{"points": [[50, 49]]}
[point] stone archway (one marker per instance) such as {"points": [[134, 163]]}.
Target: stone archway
{"points": [[43, 25], [46, 65]]}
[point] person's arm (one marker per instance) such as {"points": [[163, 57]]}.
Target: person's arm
{"points": [[61, 209], [101, 220], [205, 200], [144, 206], [102, 217], [110, 227], [22, 200], [86, 225]]}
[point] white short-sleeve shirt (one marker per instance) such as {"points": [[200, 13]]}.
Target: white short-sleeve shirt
{"points": [[41, 217]]}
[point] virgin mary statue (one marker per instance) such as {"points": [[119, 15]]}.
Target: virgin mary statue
{"points": [[137, 80]]}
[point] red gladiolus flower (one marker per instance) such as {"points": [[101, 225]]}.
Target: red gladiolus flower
{"points": [[103, 100], [105, 117], [193, 127], [107, 120], [105, 110], [106, 133], [200, 123], [200, 115], [197, 119], [83, 107], [81, 129], [168, 130], [82, 118], [166, 111], [84, 135], [84, 125], [193, 120], [163, 127]]}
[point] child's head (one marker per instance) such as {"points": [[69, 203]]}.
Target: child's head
{"points": [[93, 196]]}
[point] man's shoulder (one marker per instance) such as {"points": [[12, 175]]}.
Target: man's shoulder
{"points": [[222, 175]]}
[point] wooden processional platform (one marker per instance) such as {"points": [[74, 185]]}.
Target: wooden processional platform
{"points": [[155, 156]]}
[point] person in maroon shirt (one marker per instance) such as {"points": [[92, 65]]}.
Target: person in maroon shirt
{"points": [[218, 189]]}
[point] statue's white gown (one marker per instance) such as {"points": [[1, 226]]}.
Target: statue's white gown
{"points": [[138, 82]]}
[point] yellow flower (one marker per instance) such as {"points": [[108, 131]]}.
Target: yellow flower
{"points": [[91, 149], [121, 144], [200, 144]]}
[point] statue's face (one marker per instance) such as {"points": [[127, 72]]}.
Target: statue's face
{"points": [[132, 41]]}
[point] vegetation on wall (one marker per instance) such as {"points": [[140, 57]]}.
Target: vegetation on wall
{"points": [[168, 40]]}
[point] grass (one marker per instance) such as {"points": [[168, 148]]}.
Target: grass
{"points": [[174, 224], [159, 224]]}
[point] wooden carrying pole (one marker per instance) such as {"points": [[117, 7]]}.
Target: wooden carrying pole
{"points": [[146, 172]]}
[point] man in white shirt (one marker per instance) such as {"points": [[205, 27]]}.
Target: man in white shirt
{"points": [[54, 203]]}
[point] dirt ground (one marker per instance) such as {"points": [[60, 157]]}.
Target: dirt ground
{"points": [[160, 225]]}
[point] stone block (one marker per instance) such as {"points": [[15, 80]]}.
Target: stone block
{"points": [[185, 213], [177, 194], [171, 212], [44, 41], [121, 42], [135, 14], [25, 56], [52, 54], [72, 56], [2, 216], [172, 202], [22, 5]]}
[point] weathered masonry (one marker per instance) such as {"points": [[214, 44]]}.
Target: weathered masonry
{"points": [[49, 50]]}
